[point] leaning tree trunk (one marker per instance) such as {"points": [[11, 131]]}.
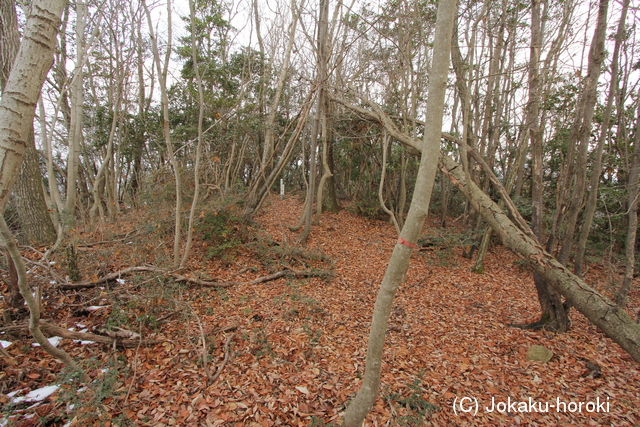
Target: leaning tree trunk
{"points": [[399, 262], [613, 321]]}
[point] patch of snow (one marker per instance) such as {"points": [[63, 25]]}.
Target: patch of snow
{"points": [[54, 341], [13, 393], [5, 344], [83, 342], [96, 307], [37, 395]]}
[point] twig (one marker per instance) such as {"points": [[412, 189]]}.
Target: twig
{"points": [[135, 369], [225, 329], [224, 361], [57, 277], [205, 362], [9, 357], [106, 242]]}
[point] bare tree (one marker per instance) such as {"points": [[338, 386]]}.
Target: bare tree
{"points": [[632, 215], [162, 70], [596, 171], [196, 171], [399, 262]]}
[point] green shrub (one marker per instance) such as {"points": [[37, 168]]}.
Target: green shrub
{"points": [[223, 231]]}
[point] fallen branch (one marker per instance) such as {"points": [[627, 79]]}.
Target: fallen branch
{"points": [[288, 272], [109, 277], [54, 330], [209, 284], [181, 278]]}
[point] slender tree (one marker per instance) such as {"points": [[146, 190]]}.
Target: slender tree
{"points": [[399, 262], [162, 70], [596, 172], [632, 215]]}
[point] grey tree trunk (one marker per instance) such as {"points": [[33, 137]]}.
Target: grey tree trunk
{"points": [[582, 129], [399, 262], [596, 172], [175, 163], [35, 222], [553, 313], [632, 228]]}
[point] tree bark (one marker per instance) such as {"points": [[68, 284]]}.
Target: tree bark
{"points": [[582, 129], [76, 120], [399, 262], [35, 222], [33, 215], [632, 215], [596, 171], [553, 313]]}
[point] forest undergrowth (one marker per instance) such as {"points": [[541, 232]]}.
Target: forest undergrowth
{"points": [[290, 350]]}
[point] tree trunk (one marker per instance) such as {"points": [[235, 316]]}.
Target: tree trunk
{"points": [[259, 186], [596, 171], [399, 262], [76, 120], [582, 130], [323, 101], [175, 164], [553, 313], [17, 110], [33, 215], [35, 221], [632, 228], [196, 172]]}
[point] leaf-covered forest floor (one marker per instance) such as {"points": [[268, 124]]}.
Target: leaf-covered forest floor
{"points": [[297, 352]]}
